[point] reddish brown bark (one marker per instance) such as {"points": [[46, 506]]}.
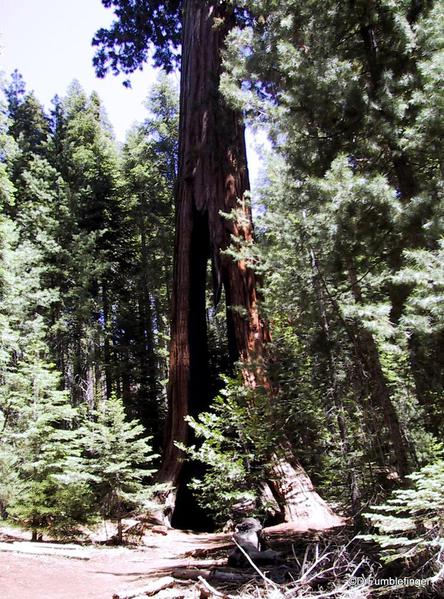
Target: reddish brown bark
{"points": [[213, 178]]}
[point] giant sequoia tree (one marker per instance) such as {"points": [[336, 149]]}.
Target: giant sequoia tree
{"points": [[212, 178]]}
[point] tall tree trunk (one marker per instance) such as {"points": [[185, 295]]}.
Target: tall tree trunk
{"points": [[106, 341], [213, 177], [368, 356], [335, 395], [148, 404]]}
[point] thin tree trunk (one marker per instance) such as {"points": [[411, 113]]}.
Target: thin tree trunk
{"points": [[106, 341], [119, 533], [355, 493], [213, 177], [149, 408]]}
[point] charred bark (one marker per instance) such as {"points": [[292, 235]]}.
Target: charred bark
{"points": [[213, 178]]}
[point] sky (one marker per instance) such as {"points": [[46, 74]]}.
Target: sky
{"points": [[49, 42]]}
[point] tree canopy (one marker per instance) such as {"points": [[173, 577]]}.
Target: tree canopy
{"points": [[139, 26]]}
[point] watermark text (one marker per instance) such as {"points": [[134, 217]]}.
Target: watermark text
{"points": [[357, 581]]}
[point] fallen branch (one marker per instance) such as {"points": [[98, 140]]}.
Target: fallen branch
{"points": [[151, 589], [230, 576], [227, 576], [211, 590], [190, 573], [261, 574]]}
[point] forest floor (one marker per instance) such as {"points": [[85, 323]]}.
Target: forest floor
{"points": [[47, 570], [58, 571]]}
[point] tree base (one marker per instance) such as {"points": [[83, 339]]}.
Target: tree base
{"points": [[295, 494]]}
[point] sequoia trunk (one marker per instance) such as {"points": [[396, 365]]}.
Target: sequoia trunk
{"points": [[213, 178]]}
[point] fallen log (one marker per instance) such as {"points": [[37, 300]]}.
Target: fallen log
{"points": [[190, 573], [219, 575], [229, 576]]}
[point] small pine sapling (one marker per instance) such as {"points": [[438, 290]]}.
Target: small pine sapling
{"points": [[54, 494], [116, 458], [411, 522]]}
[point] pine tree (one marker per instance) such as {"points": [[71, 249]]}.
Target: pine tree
{"points": [[42, 487], [84, 152], [39, 452], [54, 495], [346, 88], [116, 461], [8, 472], [148, 163], [409, 524]]}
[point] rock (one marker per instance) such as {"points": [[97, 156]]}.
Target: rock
{"points": [[247, 538], [247, 534]]}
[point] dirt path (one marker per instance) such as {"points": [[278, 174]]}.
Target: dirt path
{"points": [[94, 573], [54, 571]]}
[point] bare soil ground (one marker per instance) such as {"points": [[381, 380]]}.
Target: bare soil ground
{"points": [[50, 571], [69, 571]]}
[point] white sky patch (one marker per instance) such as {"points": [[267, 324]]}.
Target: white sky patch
{"points": [[49, 42], [258, 145]]}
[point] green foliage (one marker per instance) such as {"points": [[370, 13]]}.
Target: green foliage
{"points": [[9, 479], [116, 459], [102, 224], [350, 251], [410, 522], [54, 496], [233, 441], [42, 487], [139, 26], [424, 271], [64, 237], [149, 159], [351, 217]]}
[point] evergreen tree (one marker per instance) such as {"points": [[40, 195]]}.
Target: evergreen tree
{"points": [[409, 524], [116, 460], [39, 453], [40, 486], [149, 158], [84, 152], [348, 271], [54, 495], [8, 478], [29, 125], [345, 88]]}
